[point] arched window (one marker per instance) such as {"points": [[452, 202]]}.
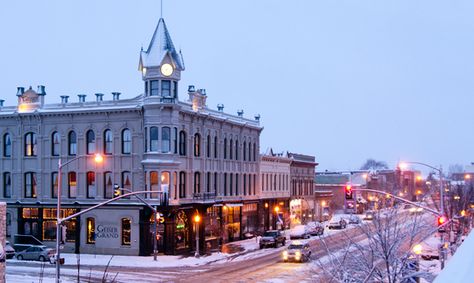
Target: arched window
{"points": [[108, 142], [54, 184], [197, 182], [30, 144], [182, 143], [225, 148], [90, 224], [126, 141], [90, 140], [182, 184], [250, 151], [208, 146], [254, 152], [175, 185], [30, 185], [7, 145], [7, 185], [165, 139], [197, 145], [236, 149], [55, 143], [236, 184], [215, 147], [153, 184], [126, 231], [72, 143], [175, 140], [215, 183], [244, 153], [225, 184], [72, 184], [91, 187], [231, 149], [108, 185], [245, 184], [208, 182], [153, 139]]}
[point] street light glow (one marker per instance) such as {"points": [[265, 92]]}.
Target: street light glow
{"points": [[197, 218], [417, 249], [98, 158], [277, 208], [467, 177]]}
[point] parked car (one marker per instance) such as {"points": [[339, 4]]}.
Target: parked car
{"points": [[297, 251], [369, 215], [9, 250], [315, 228], [41, 253], [299, 232], [337, 222], [354, 219], [272, 238]]}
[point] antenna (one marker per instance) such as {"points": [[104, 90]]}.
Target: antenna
{"points": [[161, 9]]}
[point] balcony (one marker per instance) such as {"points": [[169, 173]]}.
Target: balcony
{"points": [[205, 197]]}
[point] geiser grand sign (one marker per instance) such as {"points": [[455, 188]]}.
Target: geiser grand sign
{"points": [[106, 232]]}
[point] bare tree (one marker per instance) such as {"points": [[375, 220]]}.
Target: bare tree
{"points": [[372, 164], [383, 254]]}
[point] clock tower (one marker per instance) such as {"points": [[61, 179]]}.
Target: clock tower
{"points": [[161, 66]]}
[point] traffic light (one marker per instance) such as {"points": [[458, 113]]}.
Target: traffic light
{"points": [[441, 220], [348, 192], [117, 191]]}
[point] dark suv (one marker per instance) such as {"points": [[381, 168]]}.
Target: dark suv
{"points": [[272, 238]]}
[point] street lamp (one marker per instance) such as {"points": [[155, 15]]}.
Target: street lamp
{"points": [[197, 219], [98, 159]]}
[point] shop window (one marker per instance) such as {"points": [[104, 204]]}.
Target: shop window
{"points": [[30, 185], [126, 141], [29, 213], [55, 143], [90, 226], [72, 143], [49, 230], [126, 231], [30, 144], [181, 231]]}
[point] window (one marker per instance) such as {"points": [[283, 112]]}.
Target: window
{"points": [[230, 183], [153, 184], [30, 185], [72, 184], [175, 185], [225, 184], [236, 184], [215, 183], [197, 145], [175, 140], [7, 145], [182, 184], [91, 188], [146, 139], [236, 150], [126, 141], [7, 185], [254, 152], [30, 144], [55, 143], [245, 184], [90, 224], [197, 182], [72, 143], [90, 139], [250, 151], [182, 143], [54, 184], [208, 146], [215, 147], [126, 231], [208, 182], [244, 153], [175, 89], [225, 148], [108, 142], [166, 88], [9, 225], [154, 88], [126, 182], [108, 185], [231, 149], [165, 139], [254, 181], [153, 139]]}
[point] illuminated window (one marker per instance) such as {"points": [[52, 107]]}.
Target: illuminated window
{"points": [[29, 213], [126, 141], [7, 185], [55, 143], [72, 143], [197, 145], [90, 138], [72, 184], [154, 183], [109, 185], [30, 185], [153, 139], [49, 230], [7, 145], [30, 144], [165, 139], [126, 231], [90, 224], [108, 142], [91, 187]]}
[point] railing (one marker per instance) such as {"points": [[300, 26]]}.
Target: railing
{"points": [[204, 196], [168, 100]]}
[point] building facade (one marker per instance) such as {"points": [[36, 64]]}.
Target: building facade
{"points": [[193, 160]]}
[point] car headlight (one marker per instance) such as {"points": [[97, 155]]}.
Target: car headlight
{"points": [[285, 255], [297, 255]]}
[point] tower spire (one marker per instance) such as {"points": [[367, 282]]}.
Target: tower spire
{"points": [[161, 8]]}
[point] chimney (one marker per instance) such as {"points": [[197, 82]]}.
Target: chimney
{"points": [[116, 96], [20, 91], [1, 102], [257, 117], [82, 97], [41, 90], [99, 97], [220, 107], [240, 113], [64, 99], [191, 88], [202, 91]]}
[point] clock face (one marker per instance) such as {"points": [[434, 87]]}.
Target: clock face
{"points": [[166, 69]]}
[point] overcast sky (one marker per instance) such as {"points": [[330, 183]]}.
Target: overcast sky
{"points": [[341, 80]]}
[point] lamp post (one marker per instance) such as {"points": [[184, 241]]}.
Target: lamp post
{"points": [[118, 192], [197, 219], [98, 159]]}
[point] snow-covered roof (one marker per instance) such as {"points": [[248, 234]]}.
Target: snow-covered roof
{"points": [[160, 45]]}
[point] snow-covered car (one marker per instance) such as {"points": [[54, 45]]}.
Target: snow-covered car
{"points": [[299, 232], [297, 251], [315, 228], [337, 222], [9, 250], [354, 219], [272, 238], [369, 215]]}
